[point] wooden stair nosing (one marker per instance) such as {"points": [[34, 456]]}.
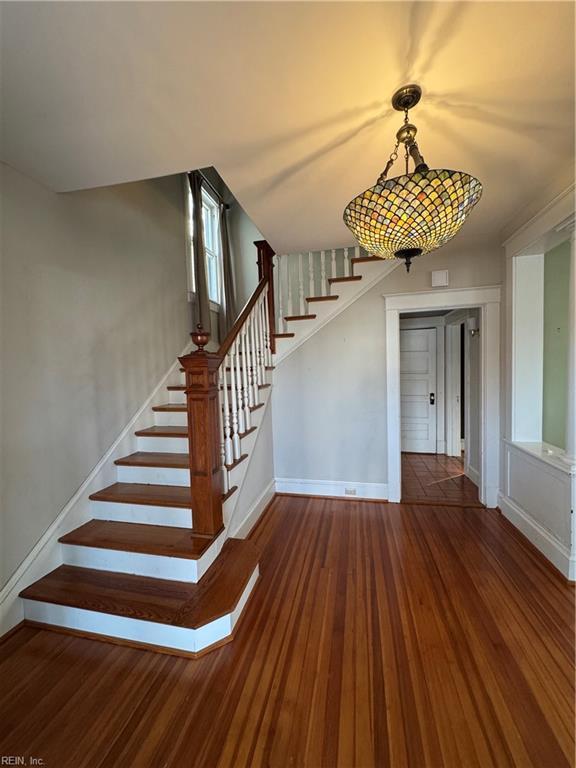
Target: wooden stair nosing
{"points": [[170, 408], [283, 335], [290, 318], [174, 603], [166, 541], [349, 279], [162, 432], [155, 459], [322, 298], [146, 494]]}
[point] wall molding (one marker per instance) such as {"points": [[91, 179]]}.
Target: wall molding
{"points": [[46, 553], [337, 488], [554, 550]]}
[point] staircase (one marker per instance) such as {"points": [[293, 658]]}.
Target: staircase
{"points": [[155, 565]]}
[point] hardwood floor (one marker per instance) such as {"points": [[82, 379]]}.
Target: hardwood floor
{"points": [[438, 479], [378, 635]]}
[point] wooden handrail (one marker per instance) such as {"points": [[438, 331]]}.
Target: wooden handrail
{"points": [[242, 317]]}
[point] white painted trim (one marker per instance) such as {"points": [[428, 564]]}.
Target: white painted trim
{"points": [[332, 488], [547, 218], [487, 298], [46, 555], [554, 550], [473, 475], [454, 443], [242, 529]]}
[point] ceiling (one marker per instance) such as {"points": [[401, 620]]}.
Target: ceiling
{"points": [[291, 101]]}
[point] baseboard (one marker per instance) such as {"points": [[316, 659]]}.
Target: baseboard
{"points": [[473, 475], [332, 488], [46, 554], [242, 529], [542, 539]]}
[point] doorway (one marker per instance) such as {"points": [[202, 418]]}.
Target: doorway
{"points": [[480, 308]]}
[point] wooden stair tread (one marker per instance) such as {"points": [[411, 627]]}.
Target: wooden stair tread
{"points": [[162, 432], [174, 603], [152, 459], [176, 388], [363, 259], [322, 298], [349, 279], [300, 317], [170, 408], [136, 537], [144, 493], [283, 335]]}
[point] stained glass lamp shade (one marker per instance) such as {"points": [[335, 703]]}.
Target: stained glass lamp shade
{"points": [[413, 214]]}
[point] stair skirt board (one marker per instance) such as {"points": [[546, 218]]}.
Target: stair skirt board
{"points": [[160, 636], [181, 517], [153, 475], [141, 563]]}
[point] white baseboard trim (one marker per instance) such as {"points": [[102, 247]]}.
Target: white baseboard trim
{"points": [[242, 529], [542, 539], [46, 554], [332, 488], [473, 475]]}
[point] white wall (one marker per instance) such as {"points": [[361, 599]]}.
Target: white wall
{"points": [[93, 313], [329, 398]]}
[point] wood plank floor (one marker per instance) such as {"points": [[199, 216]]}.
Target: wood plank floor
{"points": [[378, 635], [438, 479]]}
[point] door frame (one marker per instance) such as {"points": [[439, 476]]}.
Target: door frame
{"points": [[453, 389], [487, 300]]}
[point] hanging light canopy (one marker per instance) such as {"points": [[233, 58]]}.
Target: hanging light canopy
{"points": [[418, 212]]}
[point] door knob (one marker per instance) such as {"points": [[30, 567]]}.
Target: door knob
{"points": [[432, 398]]}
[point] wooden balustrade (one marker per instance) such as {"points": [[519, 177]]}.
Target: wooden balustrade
{"points": [[222, 391], [302, 276]]}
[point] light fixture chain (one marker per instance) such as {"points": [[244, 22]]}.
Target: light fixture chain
{"points": [[392, 159]]}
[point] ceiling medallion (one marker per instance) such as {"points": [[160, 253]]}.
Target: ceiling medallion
{"points": [[418, 212]]}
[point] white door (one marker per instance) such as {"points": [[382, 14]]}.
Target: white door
{"points": [[418, 390]]}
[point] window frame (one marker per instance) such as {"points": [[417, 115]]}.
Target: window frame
{"points": [[213, 203]]}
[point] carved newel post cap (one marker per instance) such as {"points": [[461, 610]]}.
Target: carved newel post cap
{"points": [[200, 337]]}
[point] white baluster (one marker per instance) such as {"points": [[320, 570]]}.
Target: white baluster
{"points": [[238, 361], [346, 263], [280, 288], [323, 283], [246, 381], [257, 330], [267, 332], [289, 262], [333, 267], [300, 284], [253, 358], [228, 449], [222, 436], [262, 347], [310, 274], [234, 403]]}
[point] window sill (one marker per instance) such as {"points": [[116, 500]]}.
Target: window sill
{"points": [[547, 453]]}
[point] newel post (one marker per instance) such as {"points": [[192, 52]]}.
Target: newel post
{"points": [[201, 369], [266, 270]]}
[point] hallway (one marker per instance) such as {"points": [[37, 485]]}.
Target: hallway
{"points": [[430, 478]]}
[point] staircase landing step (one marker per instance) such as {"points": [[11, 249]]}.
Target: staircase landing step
{"points": [[174, 603], [142, 493], [134, 537]]}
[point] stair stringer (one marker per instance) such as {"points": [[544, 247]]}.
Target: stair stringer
{"points": [[372, 272]]}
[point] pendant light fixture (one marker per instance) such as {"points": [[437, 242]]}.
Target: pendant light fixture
{"points": [[418, 212]]}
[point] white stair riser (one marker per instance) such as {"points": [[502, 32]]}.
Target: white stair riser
{"points": [[142, 564], [152, 633], [167, 419], [117, 561], [154, 475], [162, 444], [141, 513], [177, 396]]}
